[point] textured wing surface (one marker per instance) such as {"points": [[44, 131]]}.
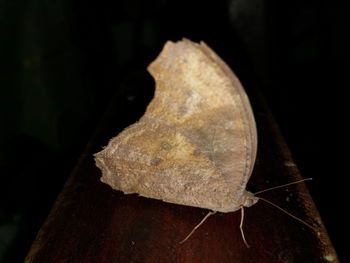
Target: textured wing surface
{"points": [[196, 143]]}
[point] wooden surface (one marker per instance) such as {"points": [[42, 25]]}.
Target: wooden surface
{"points": [[90, 222]]}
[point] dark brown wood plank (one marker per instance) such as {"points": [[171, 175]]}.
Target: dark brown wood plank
{"points": [[92, 223]]}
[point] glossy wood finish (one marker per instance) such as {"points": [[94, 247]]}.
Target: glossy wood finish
{"points": [[92, 223]]}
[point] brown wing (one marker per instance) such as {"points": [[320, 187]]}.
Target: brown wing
{"points": [[196, 143]]}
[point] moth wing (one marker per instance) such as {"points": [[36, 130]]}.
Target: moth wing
{"points": [[202, 114], [156, 161]]}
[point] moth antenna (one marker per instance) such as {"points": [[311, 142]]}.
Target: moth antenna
{"points": [[241, 227], [286, 212], [198, 225], [281, 186]]}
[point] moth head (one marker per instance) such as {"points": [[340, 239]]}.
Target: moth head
{"points": [[250, 199]]}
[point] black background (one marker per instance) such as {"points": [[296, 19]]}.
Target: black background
{"points": [[62, 61]]}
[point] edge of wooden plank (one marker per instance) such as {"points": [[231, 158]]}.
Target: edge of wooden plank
{"points": [[325, 245]]}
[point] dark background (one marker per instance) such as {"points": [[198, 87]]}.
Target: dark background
{"points": [[62, 61]]}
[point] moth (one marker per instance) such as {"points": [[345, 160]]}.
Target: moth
{"points": [[196, 143]]}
